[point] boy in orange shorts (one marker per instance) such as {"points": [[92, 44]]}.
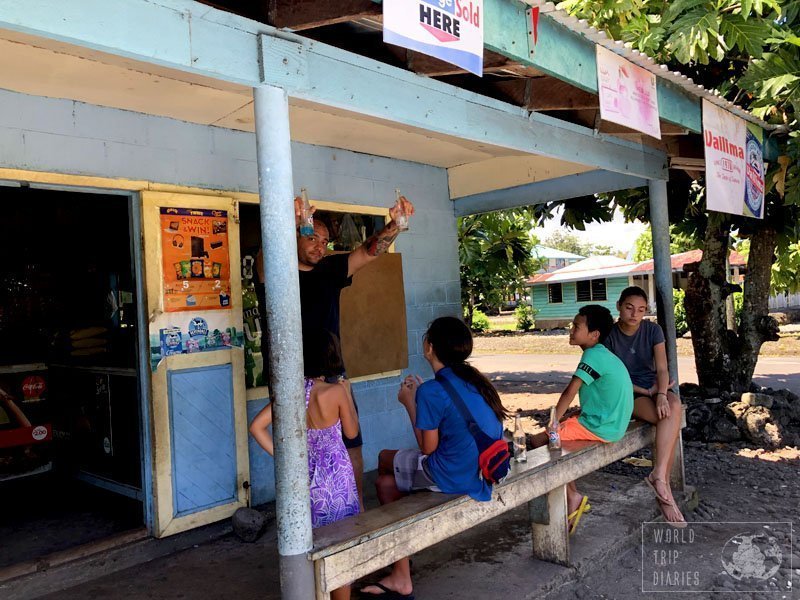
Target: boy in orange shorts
{"points": [[605, 390]]}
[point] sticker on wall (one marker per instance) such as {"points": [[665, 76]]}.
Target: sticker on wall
{"points": [[196, 263], [197, 335]]}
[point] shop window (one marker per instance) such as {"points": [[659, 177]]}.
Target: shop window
{"points": [[372, 310], [554, 293]]}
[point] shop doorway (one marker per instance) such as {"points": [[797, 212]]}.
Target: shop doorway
{"points": [[70, 406]]}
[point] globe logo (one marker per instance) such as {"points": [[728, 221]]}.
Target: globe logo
{"points": [[755, 556]]}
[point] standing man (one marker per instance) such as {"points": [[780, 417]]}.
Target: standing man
{"points": [[322, 279]]}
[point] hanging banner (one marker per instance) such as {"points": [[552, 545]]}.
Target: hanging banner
{"points": [[734, 163], [194, 246], [450, 30], [627, 93]]}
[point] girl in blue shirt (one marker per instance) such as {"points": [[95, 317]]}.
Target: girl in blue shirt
{"points": [[447, 457]]}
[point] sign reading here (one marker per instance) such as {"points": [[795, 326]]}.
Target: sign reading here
{"points": [[450, 30]]}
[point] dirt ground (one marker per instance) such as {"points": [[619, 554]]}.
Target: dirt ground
{"points": [[738, 487], [736, 483], [556, 342]]}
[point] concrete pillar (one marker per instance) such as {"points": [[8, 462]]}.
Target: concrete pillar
{"points": [[279, 243]]}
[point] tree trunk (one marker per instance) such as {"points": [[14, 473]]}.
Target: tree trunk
{"points": [[705, 308], [726, 360], [756, 325]]}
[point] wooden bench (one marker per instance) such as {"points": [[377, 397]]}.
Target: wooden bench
{"points": [[349, 549]]}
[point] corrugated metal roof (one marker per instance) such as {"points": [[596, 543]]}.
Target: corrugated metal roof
{"points": [[638, 58], [547, 252], [587, 269]]}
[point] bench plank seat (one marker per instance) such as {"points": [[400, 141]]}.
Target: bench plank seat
{"points": [[354, 547]]}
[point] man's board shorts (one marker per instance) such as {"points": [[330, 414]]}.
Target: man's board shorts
{"points": [[410, 473], [357, 441], [572, 430]]}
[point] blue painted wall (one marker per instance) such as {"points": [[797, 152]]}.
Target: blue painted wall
{"points": [[63, 136], [570, 305]]}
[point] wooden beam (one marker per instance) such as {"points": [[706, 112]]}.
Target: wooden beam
{"points": [[331, 77], [422, 64], [307, 14], [616, 129], [548, 93], [558, 188]]}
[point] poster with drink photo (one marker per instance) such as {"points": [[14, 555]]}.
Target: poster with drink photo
{"points": [[196, 262]]}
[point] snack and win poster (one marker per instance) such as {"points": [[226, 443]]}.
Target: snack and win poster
{"points": [[450, 30], [196, 261], [628, 94], [734, 163]]}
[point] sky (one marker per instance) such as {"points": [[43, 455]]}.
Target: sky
{"points": [[617, 234]]}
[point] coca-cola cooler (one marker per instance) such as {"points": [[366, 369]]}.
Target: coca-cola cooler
{"points": [[26, 430]]}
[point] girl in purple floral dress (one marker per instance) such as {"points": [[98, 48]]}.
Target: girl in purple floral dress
{"points": [[329, 411]]}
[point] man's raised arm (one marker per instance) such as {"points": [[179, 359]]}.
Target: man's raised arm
{"points": [[378, 243]]}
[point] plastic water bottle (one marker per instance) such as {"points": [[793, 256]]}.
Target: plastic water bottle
{"points": [[400, 218], [306, 216], [553, 437], [520, 446]]}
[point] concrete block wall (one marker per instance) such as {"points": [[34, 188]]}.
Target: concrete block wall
{"points": [[46, 134]]}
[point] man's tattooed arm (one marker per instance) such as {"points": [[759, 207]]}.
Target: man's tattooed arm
{"points": [[379, 243]]}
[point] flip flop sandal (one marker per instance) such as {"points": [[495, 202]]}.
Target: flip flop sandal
{"points": [[575, 517], [677, 524], [387, 594], [651, 483]]}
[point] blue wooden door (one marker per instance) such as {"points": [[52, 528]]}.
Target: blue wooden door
{"points": [[199, 419]]}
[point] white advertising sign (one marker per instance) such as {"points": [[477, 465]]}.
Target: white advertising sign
{"points": [[734, 163], [450, 30], [627, 93]]}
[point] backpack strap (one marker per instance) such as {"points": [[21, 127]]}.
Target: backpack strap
{"points": [[472, 426]]}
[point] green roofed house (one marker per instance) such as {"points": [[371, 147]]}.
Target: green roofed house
{"points": [[557, 296]]}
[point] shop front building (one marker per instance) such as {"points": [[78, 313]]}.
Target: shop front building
{"points": [[132, 327]]}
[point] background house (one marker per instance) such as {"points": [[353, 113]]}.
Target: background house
{"points": [[553, 259], [557, 296]]}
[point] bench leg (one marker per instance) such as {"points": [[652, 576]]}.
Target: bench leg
{"points": [[677, 476], [548, 515], [319, 576]]}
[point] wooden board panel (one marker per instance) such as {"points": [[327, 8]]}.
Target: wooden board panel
{"points": [[373, 319]]}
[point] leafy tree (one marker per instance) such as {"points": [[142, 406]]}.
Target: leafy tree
{"points": [[566, 242], [747, 51], [643, 246], [569, 242], [495, 252]]}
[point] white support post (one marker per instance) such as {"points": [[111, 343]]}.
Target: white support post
{"points": [[282, 293], [662, 265]]}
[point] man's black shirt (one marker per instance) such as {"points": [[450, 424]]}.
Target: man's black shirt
{"points": [[319, 293]]}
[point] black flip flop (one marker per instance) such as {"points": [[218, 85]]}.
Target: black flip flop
{"points": [[387, 593]]}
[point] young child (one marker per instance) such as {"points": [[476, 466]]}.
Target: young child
{"points": [[329, 411], [641, 346], [447, 457], [605, 390]]}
